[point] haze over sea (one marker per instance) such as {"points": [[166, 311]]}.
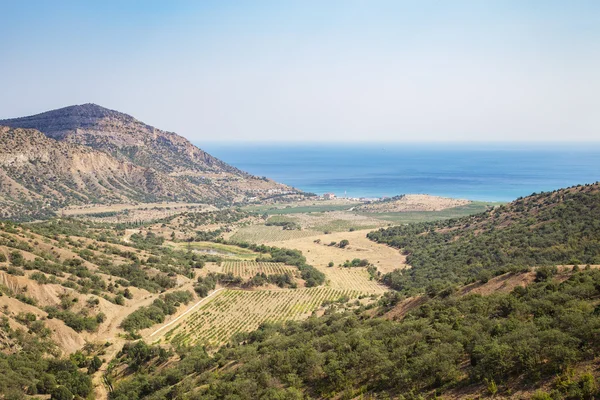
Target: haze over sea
{"points": [[488, 172]]}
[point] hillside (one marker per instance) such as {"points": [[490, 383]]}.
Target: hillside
{"points": [[560, 227], [533, 342], [92, 155], [65, 289]]}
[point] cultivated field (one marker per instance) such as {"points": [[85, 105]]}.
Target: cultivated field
{"points": [[247, 269], [408, 217], [304, 207], [233, 311], [263, 234], [355, 278], [332, 221], [413, 202], [312, 224]]}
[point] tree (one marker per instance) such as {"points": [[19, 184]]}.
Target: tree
{"points": [[544, 273], [61, 393], [484, 276], [344, 243], [95, 365]]}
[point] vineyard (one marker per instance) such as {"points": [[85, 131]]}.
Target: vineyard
{"points": [[233, 311], [266, 234], [247, 269], [352, 278]]}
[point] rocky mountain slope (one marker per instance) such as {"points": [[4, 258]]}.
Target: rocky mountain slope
{"points": [[88, 154], [123, 137], [42, 174]]}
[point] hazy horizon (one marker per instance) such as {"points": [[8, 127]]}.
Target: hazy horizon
{"points": [[385, 71]]}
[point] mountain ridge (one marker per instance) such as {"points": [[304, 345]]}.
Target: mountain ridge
{"points": [[122, 136]]}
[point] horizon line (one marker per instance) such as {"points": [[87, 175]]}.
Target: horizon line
{"points": [[377, 142]]}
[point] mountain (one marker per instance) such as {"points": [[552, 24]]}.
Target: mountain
{"points": [[123, 137], [88, 154]]}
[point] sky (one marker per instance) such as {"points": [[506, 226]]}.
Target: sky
{"points": [[336, 71]]}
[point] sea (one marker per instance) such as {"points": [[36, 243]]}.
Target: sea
{"points": [[477, 171]]}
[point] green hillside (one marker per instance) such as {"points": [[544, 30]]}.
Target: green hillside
{"points": [[561, 227]]}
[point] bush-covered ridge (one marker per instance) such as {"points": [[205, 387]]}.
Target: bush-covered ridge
{"points": [[560, 227]]}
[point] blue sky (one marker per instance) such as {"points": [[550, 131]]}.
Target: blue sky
{"points": [[313, 70]]}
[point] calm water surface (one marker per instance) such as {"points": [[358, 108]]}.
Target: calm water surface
{"points": [[490, 172]]}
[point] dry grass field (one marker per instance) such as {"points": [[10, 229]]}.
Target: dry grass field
{"points": [[233, 311], [385, 258], [119, 213], [219, 249]]}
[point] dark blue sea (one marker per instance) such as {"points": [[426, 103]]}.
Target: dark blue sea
{"points": [[489, 172]]}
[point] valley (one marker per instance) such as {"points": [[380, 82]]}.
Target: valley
{"points": [[133, 265], [296, 200]]}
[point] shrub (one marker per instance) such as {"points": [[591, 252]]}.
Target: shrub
{"points": [[492, 388], [145, 317], [544, 273], [541, 395], [16, 258]]}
